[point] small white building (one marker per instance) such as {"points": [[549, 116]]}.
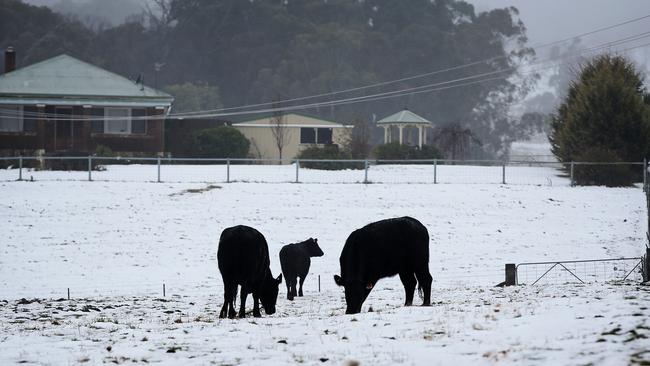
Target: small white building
{"points": [[301, 131]]}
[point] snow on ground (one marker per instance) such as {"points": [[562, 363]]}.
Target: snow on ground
{"points": [[114, 244]]}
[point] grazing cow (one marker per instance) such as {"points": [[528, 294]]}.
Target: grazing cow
{"points": [[294, 259], [243, 257], [383, 249]]}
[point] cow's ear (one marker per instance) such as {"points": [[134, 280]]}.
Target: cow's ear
{"points": [[315, 240], [279, 279], [369, 286], [338, 280]]}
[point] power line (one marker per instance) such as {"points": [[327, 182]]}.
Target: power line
{"points": [[428, 73], [378, 96]]}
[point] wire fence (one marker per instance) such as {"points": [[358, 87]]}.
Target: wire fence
{"points": [[206, 170], [580, 271]]}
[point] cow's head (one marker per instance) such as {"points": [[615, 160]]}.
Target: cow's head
{"points": [[312, 247], [269, 293], [356, 292]]}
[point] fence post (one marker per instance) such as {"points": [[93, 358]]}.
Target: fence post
{"points": [[503, 173], [20, 168], [573, 182], [435, 171], [511, 274], [164, 290], [159, 169], [297, 169], [90, 168], [365, 179], [645, 266], [645, 172], [228, 171], [68, 293]]}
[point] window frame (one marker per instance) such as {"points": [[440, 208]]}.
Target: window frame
{"points": [[315, 134], [21, 118], [128, 119], [330, 132]]}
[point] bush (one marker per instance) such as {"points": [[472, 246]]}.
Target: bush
{"points": [[395, 151], [607, 175], [219, 142], [327, 152], [103, 151]]}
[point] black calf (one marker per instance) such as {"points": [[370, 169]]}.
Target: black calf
{"points": [[295, 261]]}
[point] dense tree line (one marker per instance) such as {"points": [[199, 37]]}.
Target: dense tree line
{"points": [[260, 51]]}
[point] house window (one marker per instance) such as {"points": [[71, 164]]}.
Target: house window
{"points": [[30, 118], [307, 135], [138, 126], [11, 118], [324, 136], [97, 124], [118, 121], [121, 121]]}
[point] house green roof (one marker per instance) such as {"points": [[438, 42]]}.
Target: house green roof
{"points": [[253, 117], [403, 117], [67, 80]]}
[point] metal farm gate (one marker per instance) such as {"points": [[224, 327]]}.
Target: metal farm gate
{"points": [[580, 271]]}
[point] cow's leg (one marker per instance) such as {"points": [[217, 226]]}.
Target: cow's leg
{"points": [[287, 281], [292, 287], [256, 306], [242, 307], [227, 298], [231, 307], [302, 280], [408, 280], [425, 279]]}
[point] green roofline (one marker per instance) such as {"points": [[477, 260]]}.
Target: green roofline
{"points": [[17, 83], [247, 118]]}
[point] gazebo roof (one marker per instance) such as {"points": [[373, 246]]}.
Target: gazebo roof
{"points": [[403, 117]]}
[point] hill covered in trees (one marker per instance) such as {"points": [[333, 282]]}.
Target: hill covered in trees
{"points": [[263, 51]]}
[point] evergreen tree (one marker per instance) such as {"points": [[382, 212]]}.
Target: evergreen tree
{"points": [[603, 116]]}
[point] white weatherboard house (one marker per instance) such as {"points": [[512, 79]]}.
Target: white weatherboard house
{"points": [[401, 120], [302, 131]]}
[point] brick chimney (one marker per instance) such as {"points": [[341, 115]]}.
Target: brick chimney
{"points": [[10, 60]]}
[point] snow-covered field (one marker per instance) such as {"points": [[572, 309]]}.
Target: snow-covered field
{"points": [[114, 244]]}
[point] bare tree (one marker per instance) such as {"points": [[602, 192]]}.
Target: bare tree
{"points": [[455, 141], [158, 12], [358, 140], [280, 131]]}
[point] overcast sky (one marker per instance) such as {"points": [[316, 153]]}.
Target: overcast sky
{"points": [[551, 20]]}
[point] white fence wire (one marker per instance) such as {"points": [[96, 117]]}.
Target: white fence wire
{"points": [[175, 170]]}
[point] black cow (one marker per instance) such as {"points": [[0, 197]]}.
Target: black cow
{"points": [[383, 249], [294, 259], [243, 257]]}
